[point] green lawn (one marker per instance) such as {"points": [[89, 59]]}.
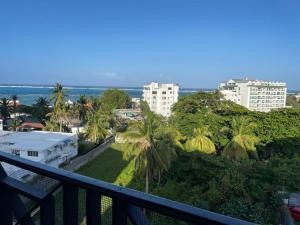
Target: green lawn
{"points": [[108, 166]]}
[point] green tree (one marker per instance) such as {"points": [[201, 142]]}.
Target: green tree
{"points": [[82, 107], [201, 141], [115, 99], [292, 101], [97, 125], [14, 109], [14, 99], [59, 113], [151, 155], [41, 108], [15, 124], [243, 140], [5, 109]]}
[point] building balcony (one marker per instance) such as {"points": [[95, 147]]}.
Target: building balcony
{"points": [[77, 199]]}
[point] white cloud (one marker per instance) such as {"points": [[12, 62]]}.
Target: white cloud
{"points": [[111, 75]]}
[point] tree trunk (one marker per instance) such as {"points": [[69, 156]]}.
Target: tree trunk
{"points": [[60, 126], [159, 177], [147, 180]]}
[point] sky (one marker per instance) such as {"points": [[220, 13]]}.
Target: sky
{"points": [[195, 43]]}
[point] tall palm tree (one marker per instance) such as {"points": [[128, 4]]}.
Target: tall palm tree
{"points": [[15, 122], [5, 109], [149, 154], [243, 140], [59, 113], [201, 141], [58, 94], [96, 127], [14, 99]]}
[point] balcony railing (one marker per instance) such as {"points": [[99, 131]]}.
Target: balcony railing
{"points": [[127, 206]]}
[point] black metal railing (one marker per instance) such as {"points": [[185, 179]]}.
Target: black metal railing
{"points": [[128, 206]]}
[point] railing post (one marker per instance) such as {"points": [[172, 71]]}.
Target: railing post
{"points": [[6, 201], [119, 212], [93, 208], [70, 204], [47, 208], [6, 207]]}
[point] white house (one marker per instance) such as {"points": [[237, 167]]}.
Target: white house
{"points": [[51, 148], [161, 97], [256, 95]]}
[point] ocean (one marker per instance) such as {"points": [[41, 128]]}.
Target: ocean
{"points": [[27, 94]]}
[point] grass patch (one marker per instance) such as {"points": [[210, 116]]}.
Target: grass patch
{"points": [[108, 166]]}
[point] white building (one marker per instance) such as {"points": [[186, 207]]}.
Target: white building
{"points": [[255, 95], [161, 97], [51, 148], [135, 102], [1, 125]]}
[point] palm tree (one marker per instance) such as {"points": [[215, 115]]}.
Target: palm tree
{"points": [[5, 109], [201, 141], [14, 99], [51, 126], [243, 140], [165, 143], [15, 124], [82, 109], [96, 127], [58, 94], [150, 154], [41, 108], [59, 113]]}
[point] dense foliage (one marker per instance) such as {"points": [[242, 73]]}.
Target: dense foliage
{"points": [[261, 158], [115, 99]]}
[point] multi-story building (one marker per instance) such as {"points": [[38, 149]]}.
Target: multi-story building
{"points": [[161, 97], [256, 95]]}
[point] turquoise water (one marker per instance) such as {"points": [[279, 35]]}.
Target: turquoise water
{"points": [[28, 94]]}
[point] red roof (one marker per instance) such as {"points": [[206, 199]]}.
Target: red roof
{"points": [[32, 125]]}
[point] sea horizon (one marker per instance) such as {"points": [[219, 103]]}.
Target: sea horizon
{"points": [[28, 93]]}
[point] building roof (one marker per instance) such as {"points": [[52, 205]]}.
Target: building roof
{"points": [[238, 80], [32, 125], [34, 140]]}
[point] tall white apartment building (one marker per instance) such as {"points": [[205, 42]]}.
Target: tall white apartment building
{"points": [[161, 97], [256, 95]]}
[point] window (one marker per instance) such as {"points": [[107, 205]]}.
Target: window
{"points": [[33, 153], [16, 152], [169, 88], [154, 92], [164, 92]]}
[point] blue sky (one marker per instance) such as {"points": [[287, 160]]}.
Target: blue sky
{"points": [[130, 42]]}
